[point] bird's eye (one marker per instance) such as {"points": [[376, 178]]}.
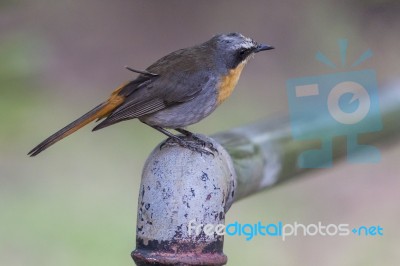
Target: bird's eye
{"points": [[242, 51]]}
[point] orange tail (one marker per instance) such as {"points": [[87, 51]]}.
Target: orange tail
{"points": [[98, 112]]}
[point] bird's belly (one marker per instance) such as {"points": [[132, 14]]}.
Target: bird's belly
{"points": [[186, 113]]}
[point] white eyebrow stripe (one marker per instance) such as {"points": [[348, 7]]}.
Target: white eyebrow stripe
{"points": [[239, 42], [247, 44]]}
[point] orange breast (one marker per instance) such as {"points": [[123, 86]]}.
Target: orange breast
{"points": [[228, 83]]}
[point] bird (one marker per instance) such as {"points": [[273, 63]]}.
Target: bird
{"points": [[176, 91]]}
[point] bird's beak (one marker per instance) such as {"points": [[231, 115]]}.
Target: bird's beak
{"points": [[263, 47]]}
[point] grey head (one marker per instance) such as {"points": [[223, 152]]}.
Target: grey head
{"points": [[234, 48]]}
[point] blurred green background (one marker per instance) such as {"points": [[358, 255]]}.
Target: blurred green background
{"points": [[75, 204]]}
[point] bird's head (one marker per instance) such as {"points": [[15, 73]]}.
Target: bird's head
{"points": [[234, 48]]}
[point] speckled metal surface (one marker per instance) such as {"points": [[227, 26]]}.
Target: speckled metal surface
{"points": [[179, 186]]}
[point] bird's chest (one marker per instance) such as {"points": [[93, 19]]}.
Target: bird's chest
{"points": [[228, 83]]}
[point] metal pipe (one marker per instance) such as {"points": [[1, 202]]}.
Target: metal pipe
{"points": [[180, 192], [181, 188]]}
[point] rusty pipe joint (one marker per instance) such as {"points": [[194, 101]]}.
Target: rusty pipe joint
{"points": [[181, 192]]}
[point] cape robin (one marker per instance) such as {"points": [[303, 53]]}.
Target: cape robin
{"points": [[178, 90]]}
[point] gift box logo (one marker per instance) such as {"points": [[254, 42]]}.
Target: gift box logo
{"points": [[338, 104]]}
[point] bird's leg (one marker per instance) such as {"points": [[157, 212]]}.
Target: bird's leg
{"points": [[203, 143], [193, 146]]}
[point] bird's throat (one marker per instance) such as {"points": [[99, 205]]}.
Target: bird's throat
{"points": [[228, 82]]}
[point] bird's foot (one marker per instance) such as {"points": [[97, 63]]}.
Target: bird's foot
{"points": [[192, 143], [203, 143]]}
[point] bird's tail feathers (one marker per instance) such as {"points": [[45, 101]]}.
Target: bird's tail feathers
{"points": [[98, 112]]}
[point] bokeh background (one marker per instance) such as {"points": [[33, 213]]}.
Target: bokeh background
{"points": [[75, 204]]}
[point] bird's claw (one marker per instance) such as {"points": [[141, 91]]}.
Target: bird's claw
{"points": [[203, 143], [197, 145]]}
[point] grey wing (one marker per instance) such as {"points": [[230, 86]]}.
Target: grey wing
{"points": [[157, 95]]}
